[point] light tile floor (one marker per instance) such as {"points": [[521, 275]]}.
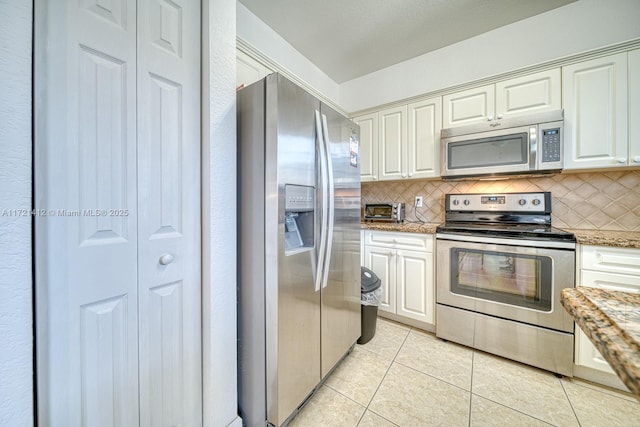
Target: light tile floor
{"points": [[407, 377]]}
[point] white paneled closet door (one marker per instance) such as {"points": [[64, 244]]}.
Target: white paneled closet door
{"points": [[117, 190], [169, 212]]}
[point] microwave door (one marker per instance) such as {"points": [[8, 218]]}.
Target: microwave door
{"points": [[497, 152]]}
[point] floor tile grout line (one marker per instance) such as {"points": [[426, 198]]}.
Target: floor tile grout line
{"points": [[385, 375], [366, 408], [607, 392], [384, 418], [473, 359], [348, 398], [569, 400], [433, 376], [511, 408], [514, 409]]}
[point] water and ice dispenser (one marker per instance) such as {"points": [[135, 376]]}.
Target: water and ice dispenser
{"points": [[299, 218]]}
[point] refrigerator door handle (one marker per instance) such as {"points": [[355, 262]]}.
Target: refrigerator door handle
{"points": [[331, 207], [325, 205]]}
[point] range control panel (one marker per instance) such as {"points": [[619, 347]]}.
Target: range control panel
{"points": [[500, 202]]}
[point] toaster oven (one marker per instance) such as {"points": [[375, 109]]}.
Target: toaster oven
{"points": [[389, 212]]}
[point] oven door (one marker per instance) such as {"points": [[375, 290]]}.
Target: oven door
{"points": [[498, 278]]}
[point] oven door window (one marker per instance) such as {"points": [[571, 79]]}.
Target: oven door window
{"points": [[509, 278]]}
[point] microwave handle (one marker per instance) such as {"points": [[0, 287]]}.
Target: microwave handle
{"points": [[533, 147]]}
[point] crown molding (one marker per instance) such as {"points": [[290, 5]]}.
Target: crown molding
{"points": [[246, 47], [543, 66]]}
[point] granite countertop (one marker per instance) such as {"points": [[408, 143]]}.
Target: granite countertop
{"points": [[405, 227], [611, 320], [621, 239]]}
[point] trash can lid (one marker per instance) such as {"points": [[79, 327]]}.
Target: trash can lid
{"points": [[369, 282]]}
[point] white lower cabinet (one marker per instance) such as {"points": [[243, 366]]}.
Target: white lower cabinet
{"points": [[605, 268], [404, 264]]}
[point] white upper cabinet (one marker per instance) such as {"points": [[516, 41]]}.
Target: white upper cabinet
{"points": [[529, 94], [522, 95], [595, 106], [392, 143], [248, 70], [424, 122], [634, 107], [368, 146], [401, 142], [469, 106]]}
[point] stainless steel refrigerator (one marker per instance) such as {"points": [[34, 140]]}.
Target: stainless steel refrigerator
{"points": [[299, 246]]}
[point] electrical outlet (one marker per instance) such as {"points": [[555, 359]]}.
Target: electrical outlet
{"points": [[418, 201]]}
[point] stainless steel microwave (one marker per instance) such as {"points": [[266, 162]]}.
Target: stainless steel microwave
{"points": [[390, 212], [515, 146]]}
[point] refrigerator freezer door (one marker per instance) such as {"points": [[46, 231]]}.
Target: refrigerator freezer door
{"points": [[292, 304], [280, 345], [341, 297]]}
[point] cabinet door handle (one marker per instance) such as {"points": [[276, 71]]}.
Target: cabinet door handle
{"points": [[621, 160], [490, 118], [499, 116], [636, 159]]}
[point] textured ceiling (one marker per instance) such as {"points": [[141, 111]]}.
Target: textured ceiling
{"points": [[350, 38]]}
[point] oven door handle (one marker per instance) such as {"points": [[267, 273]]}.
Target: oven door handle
{"points": [[551, 244]]}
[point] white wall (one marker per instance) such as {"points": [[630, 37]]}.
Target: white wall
{"points": [[16, 343], [574, 28], [220, 398], [255, 32]]}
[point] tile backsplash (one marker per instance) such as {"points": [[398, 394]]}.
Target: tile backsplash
{"points": [[592, 200]]}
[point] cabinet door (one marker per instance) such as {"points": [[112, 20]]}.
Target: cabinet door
{"points": [[414, 291], [470, 106], [610, 260], [393, 143], [586, 353], [634, 107], [382, 261], [248, 70], [529, 94], [368, 146], [423, 145], [594, 95]]}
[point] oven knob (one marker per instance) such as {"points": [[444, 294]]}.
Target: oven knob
{"points": [[522, 202], [466, 202], [456, 202], [535, 202]]}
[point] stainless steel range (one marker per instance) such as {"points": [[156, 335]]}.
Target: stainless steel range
{"points": [[500, 269]]}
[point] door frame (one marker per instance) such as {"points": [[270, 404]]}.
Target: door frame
{"points": [[218, 212]]}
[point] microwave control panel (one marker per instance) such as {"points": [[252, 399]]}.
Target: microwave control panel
{"points": [[551, 145]]}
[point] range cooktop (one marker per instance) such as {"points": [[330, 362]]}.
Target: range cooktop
{"points": [[506, 215]]}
